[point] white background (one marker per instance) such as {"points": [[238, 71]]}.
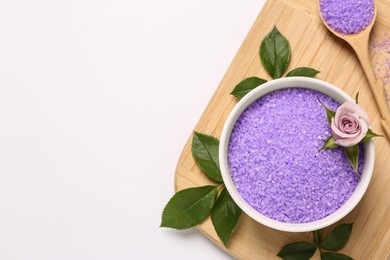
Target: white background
{"points": [[97, 99]]}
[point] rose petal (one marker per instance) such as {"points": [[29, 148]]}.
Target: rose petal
{"points": [[337, 134], [349, 123], [363, 130], [350, 107], [348, 142]]}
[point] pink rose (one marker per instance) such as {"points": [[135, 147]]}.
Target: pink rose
{"points": [[350, 124]]}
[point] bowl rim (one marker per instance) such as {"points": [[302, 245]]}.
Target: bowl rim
{"points": [[270, 86]]}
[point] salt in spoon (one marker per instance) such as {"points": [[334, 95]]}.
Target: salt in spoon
{"points": [[360, 44]]}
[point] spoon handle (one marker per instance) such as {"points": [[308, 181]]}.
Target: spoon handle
{"points": [[377, 89]]}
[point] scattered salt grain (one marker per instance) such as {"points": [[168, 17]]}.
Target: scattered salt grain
{"points": [[380, 47], [274, 159], [347, 16]]}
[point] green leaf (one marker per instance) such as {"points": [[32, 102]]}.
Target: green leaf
{"points": [[245, 86], [189, 207], [275, 53], [297, 251], [357, 98], [225, 215], [329, 112], [352, 154], [338, 238], [370, 134], [330, 143], [304, 72], [334, 256], [205, 152]]}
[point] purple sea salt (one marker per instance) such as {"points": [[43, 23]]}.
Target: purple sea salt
{"points": [[274, 160], [347, 16]]}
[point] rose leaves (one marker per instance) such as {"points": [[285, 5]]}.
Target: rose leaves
{"points": [[338, 238], [303, 72], [189, 207], [225, 215], [329, 112], [334, 256], [352, 154], [205, 152], [370, 134], [329, 143], [275, 54], [246, 85], [297, 251], [335, 241]]}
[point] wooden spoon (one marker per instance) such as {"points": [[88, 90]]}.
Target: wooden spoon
{"points": [[360, 44]]}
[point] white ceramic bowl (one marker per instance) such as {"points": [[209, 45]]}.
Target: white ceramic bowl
{"points": [[301, 82]]}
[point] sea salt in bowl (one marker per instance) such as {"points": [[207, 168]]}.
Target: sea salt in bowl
{"points": [[248, 165]]}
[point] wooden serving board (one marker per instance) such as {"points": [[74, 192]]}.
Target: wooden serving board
{"points": [[312, 45]]}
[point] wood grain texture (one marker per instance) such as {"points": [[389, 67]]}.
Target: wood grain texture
{"points": [[312, 45]]}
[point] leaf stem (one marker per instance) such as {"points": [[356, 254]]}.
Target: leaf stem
{"points": [[220, 187], [317, 238]]}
